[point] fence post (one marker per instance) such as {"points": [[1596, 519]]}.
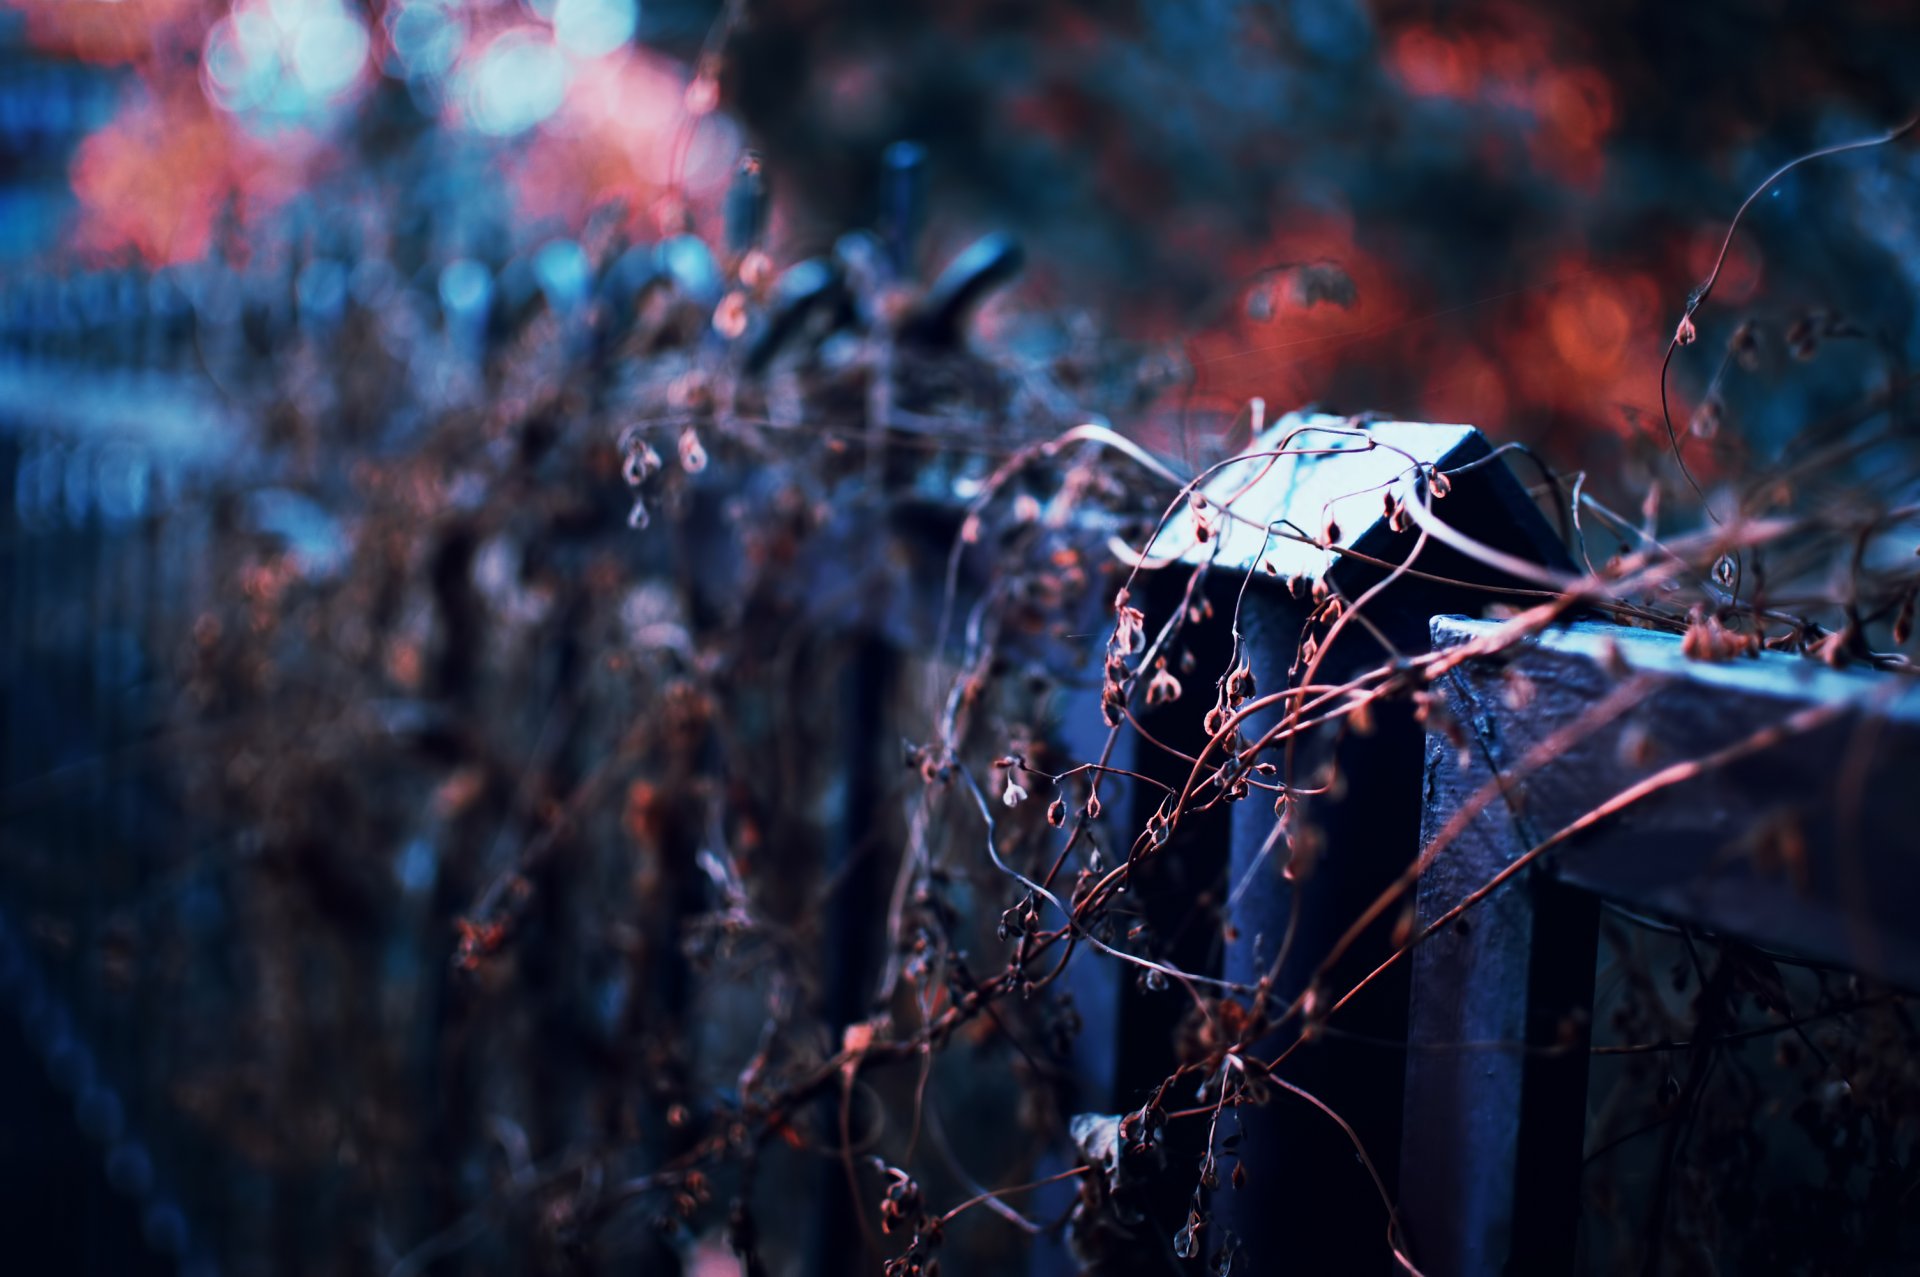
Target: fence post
{"points": [[1292, 891], [1491, 1154]]}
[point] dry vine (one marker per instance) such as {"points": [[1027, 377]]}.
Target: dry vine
{"points": [[590, 646]]}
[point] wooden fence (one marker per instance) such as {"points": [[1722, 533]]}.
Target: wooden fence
{"points": [[108, 524]]}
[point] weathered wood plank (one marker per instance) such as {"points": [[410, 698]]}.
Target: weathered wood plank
{"points": [[1799, 835], [1810, 845], [1306, 1196]]}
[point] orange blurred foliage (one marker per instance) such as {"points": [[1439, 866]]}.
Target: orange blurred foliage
{"points": [[113, 32], [1569, 107], [155, 181]]}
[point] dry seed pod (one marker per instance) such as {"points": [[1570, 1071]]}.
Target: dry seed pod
{"points": [[693, 457]]}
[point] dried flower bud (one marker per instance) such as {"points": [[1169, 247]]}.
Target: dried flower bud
{"points": [[1403, 927], [1241, 683], [1304, 845], [641, 464], [1834, 648], [693, 457], [1129, 631], [1057, 813], [703, 94], [730, 316], [690, 392], [1803, 340], [1709, 640], [1705, 422]]}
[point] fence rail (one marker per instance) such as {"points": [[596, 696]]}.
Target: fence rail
{"points": [[1768, 800]]}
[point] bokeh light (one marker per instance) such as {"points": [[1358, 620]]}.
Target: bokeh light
{"points": [[426, 36], [594, 28], [284, 61], [517, 82]]}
